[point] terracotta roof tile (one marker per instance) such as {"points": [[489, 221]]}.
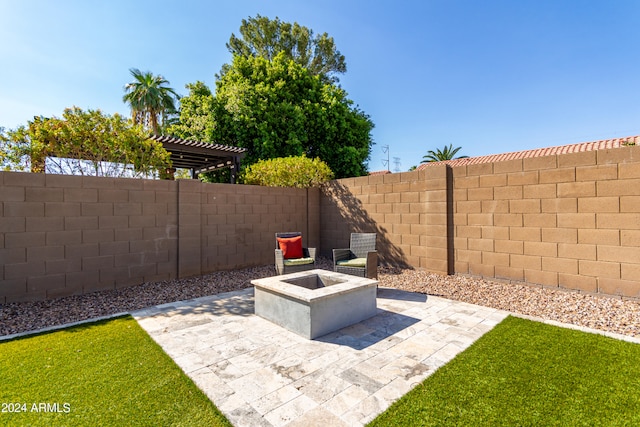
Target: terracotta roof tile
{"points": [[539, 152], [383, 172]]}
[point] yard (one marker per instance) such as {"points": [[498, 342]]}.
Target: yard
{"points": [[520, 373]]}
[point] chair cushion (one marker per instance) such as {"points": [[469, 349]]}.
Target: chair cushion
{"points": [[298, 261], [355, 262], [291, 247]]}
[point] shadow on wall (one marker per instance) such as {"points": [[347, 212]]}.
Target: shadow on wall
{"points": [[343, 213]]}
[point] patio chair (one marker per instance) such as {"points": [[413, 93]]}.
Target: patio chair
{"points": [[291, 257], [361, 259]]}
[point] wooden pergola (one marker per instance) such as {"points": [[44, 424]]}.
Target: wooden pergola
{"points": [[200, 156]]}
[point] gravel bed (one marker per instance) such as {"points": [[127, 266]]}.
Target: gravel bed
{"points": [[598, 312], [603, 313]]}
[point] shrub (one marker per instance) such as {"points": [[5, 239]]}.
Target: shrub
{"points": [[293, 171]]}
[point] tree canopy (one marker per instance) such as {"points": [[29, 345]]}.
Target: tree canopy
{"points": [[83, 143], [196, 120], [278, 108], [447, 153], [293, 171], [150, 97], [261, 36]]}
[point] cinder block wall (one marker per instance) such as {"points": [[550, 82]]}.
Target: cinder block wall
{"points": [[409, 212], [570, 220], [239, 222], [65, 235]]}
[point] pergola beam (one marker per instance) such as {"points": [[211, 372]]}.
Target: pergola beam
{"points": [[200, 156]]}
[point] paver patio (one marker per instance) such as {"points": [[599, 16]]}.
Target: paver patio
{"points": [[260, 374]]}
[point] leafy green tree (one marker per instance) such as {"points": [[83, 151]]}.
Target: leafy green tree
{"points": [[447, 153], [277, 108], [195, 120], [15, 149], [150, 97], [293, 171], [5, 150], [84, 143], [261, 36]]}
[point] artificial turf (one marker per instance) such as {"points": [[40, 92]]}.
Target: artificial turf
{"points": [[108, 373], [526, 373]]}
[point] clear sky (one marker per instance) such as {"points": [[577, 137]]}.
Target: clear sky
{"points": [[490, 76]]}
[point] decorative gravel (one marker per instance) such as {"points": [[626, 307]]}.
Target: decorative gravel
{"points": [[603, 313]]}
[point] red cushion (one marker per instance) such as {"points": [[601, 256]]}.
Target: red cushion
{"points": [[291, 247]]}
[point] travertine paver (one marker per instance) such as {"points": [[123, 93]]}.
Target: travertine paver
{"points": [[259, 374]]}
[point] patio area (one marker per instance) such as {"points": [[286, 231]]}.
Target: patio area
{"points": [[260, 374]]}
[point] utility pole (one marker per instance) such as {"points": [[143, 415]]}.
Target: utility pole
{"points": [[396, 162], [385, 163]]}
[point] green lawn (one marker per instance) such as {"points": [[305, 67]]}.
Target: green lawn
{"points": [[525, 373], [109, 373]]}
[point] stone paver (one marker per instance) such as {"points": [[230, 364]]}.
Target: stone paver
{"points": [[259, 374]]}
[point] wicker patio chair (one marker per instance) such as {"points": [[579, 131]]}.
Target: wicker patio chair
{"points": [[361, 259], [285, 264]]}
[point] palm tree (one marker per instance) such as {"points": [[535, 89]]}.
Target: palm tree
{"points": [[149, 97], [447, 153]]}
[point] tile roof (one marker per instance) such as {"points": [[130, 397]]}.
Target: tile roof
{"points": [[382, 172], [539, 152]]}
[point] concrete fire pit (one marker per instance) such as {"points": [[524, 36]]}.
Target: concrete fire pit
{"points": [[313, 303]]}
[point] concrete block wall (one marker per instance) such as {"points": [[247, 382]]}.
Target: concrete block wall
{"points": [[408, 211], [239, 222], [569, 220], [64, 235]]}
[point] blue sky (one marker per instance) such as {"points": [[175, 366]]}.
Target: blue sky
{"points": [[490, 76]]}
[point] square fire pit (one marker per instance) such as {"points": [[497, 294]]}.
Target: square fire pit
{"points": [[313, 303]]}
